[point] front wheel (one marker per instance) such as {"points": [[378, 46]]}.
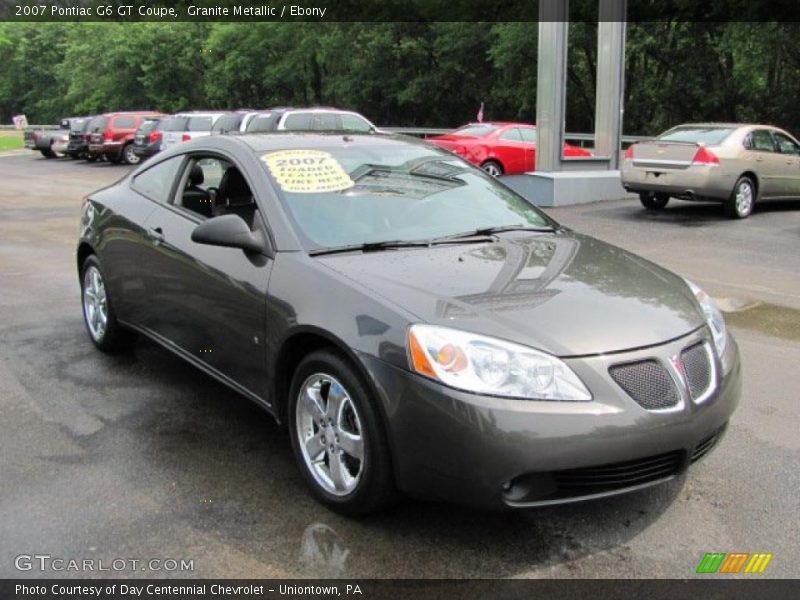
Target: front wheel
{"points": [[98, 311], [337, 436], [493, 168], [742, 199], [653, 201]]}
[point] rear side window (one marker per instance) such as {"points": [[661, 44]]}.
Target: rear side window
{"points": [[512, 135], [709, 136], [528, 134], [173, 124], [199, 124], [354, 123], [156, 182], [299, 122], [476, 130], [124, 123], [227, 123], [262, 123]]}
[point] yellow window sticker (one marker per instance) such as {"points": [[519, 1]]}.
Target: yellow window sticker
{"points": [[307, 171]]}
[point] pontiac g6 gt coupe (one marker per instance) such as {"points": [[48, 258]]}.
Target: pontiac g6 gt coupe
{"points": [[417, 325]]}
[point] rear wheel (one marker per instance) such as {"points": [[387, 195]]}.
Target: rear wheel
{"points": [[337, 436], [129, 157], [493, 168], [742, 199], [91, 157], [47, 153], [653, 201], [98, 311]]}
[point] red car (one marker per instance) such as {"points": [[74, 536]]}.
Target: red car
{"points": [[498, 148], [112, 135]]}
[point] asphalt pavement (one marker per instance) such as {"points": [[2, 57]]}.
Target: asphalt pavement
{"points": [[140, 456]]}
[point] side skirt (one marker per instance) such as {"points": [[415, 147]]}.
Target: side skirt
{"points": [[207, 369]]}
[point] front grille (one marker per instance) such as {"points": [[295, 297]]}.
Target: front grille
{"points": [[697, 369], [647, 382], [592, 480]]}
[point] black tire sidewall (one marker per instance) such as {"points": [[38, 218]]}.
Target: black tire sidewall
{"points": [[372, 490]]}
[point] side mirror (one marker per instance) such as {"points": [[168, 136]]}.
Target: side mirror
{"points": [[229, 231]]}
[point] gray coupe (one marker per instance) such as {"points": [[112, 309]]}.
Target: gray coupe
{"points": [[417, 325]]}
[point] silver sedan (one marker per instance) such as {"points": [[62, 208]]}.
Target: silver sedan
{"points": [[731, 163]]}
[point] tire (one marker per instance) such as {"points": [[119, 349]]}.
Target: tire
{"points": [[114, 158], [362, 486], [493, 168], [129, 157], [653, 201], [91, 157], [742, 199], [48, 153], [109, 336]]}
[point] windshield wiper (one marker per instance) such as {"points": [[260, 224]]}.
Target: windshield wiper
{"points": [[371, 246], [486, 231]]}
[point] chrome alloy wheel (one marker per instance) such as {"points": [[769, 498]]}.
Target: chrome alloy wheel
{"points": [[492, 169], [130, 156], [95, 303], [744, 198], [330, 435]]}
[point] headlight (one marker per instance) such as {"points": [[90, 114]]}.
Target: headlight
{"points": [[716, 323], [485, 365]]}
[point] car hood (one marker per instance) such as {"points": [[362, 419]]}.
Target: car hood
{"points": [[563, 293]]}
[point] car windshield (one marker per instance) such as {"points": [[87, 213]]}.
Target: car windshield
{"points": [[147, 126], [366, 193], [98, 124], [709, 136], [476, 130]]}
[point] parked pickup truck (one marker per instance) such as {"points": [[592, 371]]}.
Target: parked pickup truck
{"points": [[50, 142]]}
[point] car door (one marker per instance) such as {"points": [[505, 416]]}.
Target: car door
{"points": [[768, 165], [790, 153], [529, 139], [209, 301], [126, 251], [510, 149]]}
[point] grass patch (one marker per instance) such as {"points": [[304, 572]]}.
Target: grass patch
{"points": [[10, 140]]}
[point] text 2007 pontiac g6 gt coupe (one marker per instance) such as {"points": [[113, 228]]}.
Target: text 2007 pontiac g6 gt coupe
{"points": [[417, 325]]}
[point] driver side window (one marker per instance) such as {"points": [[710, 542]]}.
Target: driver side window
{"points": [[212, 187]]}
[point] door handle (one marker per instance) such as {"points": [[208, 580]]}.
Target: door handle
{"points": [[156, 234]]}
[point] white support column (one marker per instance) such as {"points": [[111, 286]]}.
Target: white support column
{"points": [[610, 80], [551, 83]]}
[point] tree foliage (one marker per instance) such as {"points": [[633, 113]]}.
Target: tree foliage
{"points": [[433, 74]]}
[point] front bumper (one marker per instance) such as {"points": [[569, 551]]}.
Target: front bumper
{"points": [[502, 453], [690, 183]]}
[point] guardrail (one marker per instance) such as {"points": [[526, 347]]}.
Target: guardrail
{"points": [[583, 139]]}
